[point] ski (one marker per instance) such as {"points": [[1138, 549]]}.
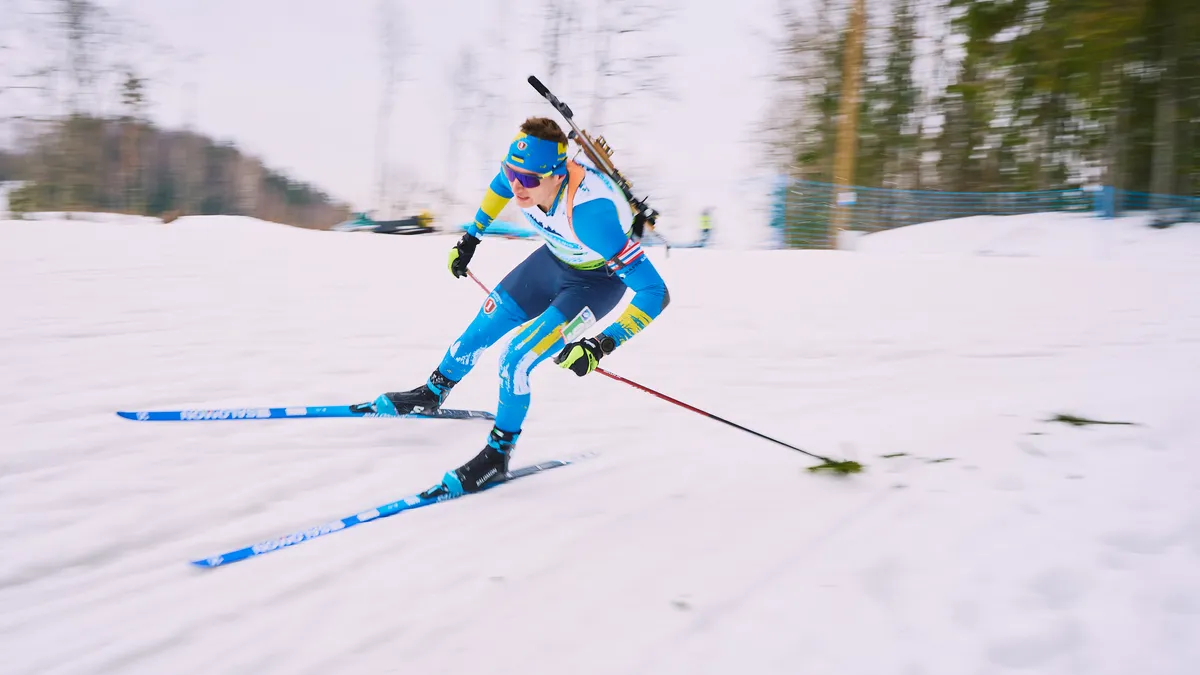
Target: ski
{"points": [[434, 495], [360, 410]]}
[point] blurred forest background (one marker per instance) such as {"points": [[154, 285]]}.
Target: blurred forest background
{"points": [[989, 95], [92, 146], [952, 95]]}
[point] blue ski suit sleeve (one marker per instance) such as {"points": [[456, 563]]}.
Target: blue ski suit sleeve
{"points": [[498, 195], [599, 228]]}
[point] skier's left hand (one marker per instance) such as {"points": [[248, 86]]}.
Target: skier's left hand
{"points": [[582, 356]]}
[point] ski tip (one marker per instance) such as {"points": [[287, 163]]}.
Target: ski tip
{"points": [[125, 414], [208, 563]]}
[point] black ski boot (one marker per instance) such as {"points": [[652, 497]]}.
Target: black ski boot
{"points": [[425, 399], [489, 466]]}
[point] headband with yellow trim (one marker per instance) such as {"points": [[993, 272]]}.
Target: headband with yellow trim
{"points": [[537, 155]]}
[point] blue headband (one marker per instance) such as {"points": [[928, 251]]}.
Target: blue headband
{"points": [[536, 155]]}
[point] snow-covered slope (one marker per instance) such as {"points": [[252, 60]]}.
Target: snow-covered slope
{"points": [[1077, 236], [683, 546]]}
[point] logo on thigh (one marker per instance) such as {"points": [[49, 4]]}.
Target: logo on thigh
{"points": [[489, 305]]}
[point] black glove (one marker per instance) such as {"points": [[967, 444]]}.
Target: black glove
{"points": [[460, 255], [582, 356]]}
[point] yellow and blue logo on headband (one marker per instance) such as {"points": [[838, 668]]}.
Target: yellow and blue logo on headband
{"points": [[537, 155]]}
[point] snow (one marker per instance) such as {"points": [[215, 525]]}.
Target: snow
{"points": [[683, 545], [1079, 236], [91, 217]]}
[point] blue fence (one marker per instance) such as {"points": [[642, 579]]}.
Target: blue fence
{"points": [[1164, 210], [804, 211]]}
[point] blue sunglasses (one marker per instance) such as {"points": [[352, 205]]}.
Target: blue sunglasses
{"points": [[528, 180]]}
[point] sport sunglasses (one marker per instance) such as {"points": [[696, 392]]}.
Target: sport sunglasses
{"points": [[528, 180]]}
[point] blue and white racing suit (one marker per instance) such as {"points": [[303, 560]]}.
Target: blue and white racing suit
{"points": [[588, 260]]}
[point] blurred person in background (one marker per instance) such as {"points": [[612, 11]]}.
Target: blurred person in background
{"points": [[705, 226]]}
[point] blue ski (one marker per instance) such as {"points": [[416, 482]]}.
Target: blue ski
{"points": [[197, 415], [431, 496]]}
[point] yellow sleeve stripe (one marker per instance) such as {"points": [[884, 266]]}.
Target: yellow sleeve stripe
{"points": [[493, 204], [633, 320]]}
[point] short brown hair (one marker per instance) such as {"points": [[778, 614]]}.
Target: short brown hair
{"points": [[545, 129]]}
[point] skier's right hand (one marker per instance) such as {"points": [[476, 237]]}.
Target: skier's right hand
{"points": [[460, 255]]}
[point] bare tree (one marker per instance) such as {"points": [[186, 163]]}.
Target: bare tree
{"points": [[789, 113], [71, 51], [133, 98], [561, 19], [631, 57], [464, 81], [30, 64], [390, 53], [81, 22], [14, 79]]}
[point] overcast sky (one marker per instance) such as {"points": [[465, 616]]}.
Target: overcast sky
{"points": [[299, 84]]}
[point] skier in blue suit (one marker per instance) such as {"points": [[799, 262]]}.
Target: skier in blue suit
{"points": [[587, 261]]}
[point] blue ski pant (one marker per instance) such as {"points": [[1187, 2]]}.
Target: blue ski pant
{"points": [[540, 295]]}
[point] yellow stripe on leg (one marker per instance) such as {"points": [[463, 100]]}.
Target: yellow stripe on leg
{"points": [[522, 331], [548, 341]]}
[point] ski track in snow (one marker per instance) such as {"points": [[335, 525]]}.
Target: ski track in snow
{"points": [[682, 545]]}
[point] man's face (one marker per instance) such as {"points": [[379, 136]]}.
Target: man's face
{"points": [[543, 193]]}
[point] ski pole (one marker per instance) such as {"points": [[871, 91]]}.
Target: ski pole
{"points": [[836, 466]]}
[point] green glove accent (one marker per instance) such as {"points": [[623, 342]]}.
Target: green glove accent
{"points": [[460, 255], [582, 356]]}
